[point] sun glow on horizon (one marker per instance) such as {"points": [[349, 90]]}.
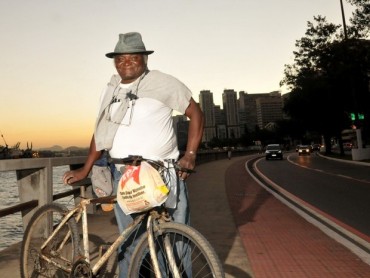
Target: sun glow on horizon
{"points": [[53, 65]]}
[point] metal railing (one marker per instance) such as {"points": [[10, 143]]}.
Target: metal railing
{"points": [[35, 183]]}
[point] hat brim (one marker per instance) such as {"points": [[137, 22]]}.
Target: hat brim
{"points": [[113, 54]]}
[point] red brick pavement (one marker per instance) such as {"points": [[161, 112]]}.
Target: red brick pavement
{"points": [[279, 242]]}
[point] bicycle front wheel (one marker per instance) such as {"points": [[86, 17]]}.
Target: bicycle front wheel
{"points": [[56, 258], [192, 253]]}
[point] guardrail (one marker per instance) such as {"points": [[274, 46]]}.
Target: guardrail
{"points": [[35, 183]]}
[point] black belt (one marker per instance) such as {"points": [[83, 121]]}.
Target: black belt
{"points": [[130, 160], [135, 161]]}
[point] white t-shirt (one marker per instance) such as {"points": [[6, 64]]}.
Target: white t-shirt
{"points": [[147, 131], [147, 127]]}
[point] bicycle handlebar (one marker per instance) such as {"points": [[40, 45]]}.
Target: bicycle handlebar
{"points": [[182, 169], [136, 159]]}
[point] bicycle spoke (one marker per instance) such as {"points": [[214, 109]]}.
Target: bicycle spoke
{"points": [[192, 254], [45, 256]]}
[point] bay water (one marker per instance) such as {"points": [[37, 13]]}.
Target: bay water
{"points": [[11, 228]]}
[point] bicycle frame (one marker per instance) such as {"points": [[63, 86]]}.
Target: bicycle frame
{"points": [[153, 253], [121, 238], [80, 212]]}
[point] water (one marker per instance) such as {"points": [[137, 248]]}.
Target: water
{"points": [[11, 228]]}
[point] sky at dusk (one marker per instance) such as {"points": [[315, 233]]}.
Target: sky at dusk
{"points": [[53, 66]]}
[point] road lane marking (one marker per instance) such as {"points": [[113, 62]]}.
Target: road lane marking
{"points": [[325, 172]]}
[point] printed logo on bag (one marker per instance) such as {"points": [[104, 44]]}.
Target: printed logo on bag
{"points": [[130, 183], [141, 188], [132, 172]]}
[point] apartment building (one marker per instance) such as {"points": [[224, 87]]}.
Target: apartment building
{"points": [[238, 115], [260, 109], [269, 109], [208, 108], [230, 105]]}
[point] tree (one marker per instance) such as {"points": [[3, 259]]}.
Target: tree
{"points": [[360, 21], [311, 95], [330, 76]]}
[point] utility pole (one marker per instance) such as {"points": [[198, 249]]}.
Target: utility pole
{"points": [[344, 20]]}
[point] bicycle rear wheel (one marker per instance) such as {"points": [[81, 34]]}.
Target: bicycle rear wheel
{"points": [[193, 254], [56, 259]]}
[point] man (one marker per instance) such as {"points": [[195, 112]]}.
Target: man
{"points": [[135, 118]]}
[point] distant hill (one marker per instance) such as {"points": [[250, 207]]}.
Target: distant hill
{"points": [[55, 148], [58, 151], [73, 148]]}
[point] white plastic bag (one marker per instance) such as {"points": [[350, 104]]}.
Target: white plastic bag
{"points": [[141, 188]]}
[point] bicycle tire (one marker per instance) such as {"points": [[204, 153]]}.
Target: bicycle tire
{"points": [[204, 260], [31, 263]]}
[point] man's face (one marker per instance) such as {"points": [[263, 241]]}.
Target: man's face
{"points": [[129, 66]]}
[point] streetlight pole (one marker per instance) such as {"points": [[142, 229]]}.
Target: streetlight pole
{"points": [[344, 20]]}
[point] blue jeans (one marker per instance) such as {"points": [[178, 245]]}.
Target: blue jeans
{"points": [[180, 214]]}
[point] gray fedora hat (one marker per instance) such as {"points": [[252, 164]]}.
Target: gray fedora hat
{"points": [[129, 43]]}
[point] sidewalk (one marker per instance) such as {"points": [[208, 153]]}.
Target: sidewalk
{"points": [[211, 215]]}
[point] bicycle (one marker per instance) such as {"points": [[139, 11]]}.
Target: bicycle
{"points": [[51, 244]]}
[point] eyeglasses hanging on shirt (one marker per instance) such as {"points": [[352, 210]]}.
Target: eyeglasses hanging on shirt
{"points": [[130, 109], [129, 95], [132, 97], [114, 105]]}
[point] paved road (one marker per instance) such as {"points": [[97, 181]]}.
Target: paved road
{"points": [[338, 189]]}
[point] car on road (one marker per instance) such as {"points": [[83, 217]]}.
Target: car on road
{"points": [[347, 146], [273, 151], [316, 147], [304, 149]]}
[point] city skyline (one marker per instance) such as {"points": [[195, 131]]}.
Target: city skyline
{"points": [[53, 65], [241, 113]]}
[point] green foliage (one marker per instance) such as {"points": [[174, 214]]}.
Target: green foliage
{"points": [[360, 20], [330, 76]]}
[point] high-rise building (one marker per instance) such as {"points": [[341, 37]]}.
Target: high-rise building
{"points": [[230, 106], [220, 121], [207, 106], [260, 109], [243, 124], [269, 109], [181, 126]]}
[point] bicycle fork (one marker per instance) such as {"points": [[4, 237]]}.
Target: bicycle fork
{"points": [[153, 252]]}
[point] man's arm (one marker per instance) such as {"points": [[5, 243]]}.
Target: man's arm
{"points": [[195, 134], [70, 177]]}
